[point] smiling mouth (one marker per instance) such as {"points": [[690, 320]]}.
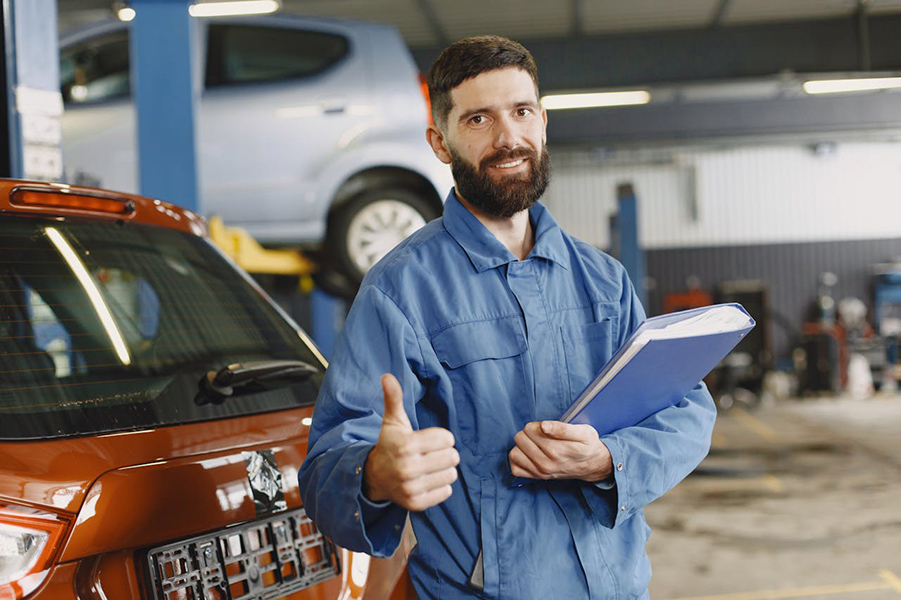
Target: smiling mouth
{"points": [[510, 165]]}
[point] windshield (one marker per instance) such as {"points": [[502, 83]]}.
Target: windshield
{"points": [[108, 327]]}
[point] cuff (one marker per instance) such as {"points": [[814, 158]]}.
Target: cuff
{"points": [[382, 522], [609, 499], [606, 484]]}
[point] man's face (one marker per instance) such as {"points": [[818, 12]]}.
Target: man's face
{"points": [[494, 141]]}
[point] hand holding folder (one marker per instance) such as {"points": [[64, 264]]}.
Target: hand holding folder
{"points": [[658, 365]]}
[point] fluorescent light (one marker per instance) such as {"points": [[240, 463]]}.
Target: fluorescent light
{"points": [[595, 100], [228, 9], [87, 283], [837, 86], [126, 14]]}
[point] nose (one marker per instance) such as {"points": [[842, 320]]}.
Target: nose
{"points": [[506, 134]]}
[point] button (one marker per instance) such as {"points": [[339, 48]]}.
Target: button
{"points": [[619, 466], [358, 469], [397, 528], [622, 509], [357, 514]]}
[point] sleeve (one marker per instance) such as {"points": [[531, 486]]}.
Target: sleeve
{"points": [[652, 457], [377, 338]]}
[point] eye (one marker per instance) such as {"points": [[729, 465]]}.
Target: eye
{"points": [[477, 119], [523, 112]]}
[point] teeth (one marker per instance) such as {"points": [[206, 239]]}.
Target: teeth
{"points": [[515, 163]]}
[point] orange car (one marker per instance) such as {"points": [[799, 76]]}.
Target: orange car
{"points": [[154, 412]]}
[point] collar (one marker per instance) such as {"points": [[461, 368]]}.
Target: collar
{"points": [[487, 252]]}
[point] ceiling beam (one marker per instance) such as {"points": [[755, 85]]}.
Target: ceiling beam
{"points": [[719, 13], [863, 33], [877, 113], [428, 11], [577, 10], [734, 52]]}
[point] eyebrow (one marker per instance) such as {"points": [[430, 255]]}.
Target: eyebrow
{"points": [[486, 109]]}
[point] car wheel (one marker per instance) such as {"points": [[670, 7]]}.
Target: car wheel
{"points": [[370, 225]]}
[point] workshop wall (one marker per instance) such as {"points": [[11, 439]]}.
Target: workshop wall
{"points": [[722, 195], [781, 214]]}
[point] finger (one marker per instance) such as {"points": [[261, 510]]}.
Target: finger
{"points": [[567, 431], [395, 413], [428, 483], [552, 448], [447, 458], [521, 466], [534, 446], [539, 459], [419, 465], [429, 499], [430, 440]]}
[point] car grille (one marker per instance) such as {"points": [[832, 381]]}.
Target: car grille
{"points": [[261, 560]]}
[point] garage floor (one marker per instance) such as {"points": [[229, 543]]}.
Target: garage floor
{"points": [[797, 500]]}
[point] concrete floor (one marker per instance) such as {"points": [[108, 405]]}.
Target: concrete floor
{"points": [[801, 499]]}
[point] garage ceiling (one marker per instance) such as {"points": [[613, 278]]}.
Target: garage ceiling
{"points": [[430, 23]]}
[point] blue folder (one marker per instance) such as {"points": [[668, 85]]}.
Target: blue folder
{"points": [[658, 376]]}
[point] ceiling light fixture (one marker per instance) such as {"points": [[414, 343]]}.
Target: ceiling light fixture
{"points": [[126, 13], [595, 100], [839, 86], [230, 9]]}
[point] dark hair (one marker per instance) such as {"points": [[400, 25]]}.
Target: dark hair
{"points": [[470, 57]]}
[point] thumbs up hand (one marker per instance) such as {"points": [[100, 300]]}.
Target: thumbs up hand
{"points": [[414, 469]]}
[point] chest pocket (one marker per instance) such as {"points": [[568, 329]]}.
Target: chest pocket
{"points": [[587, 349], [484, 362]]}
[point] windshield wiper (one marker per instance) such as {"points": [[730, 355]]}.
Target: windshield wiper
{"points": [[249, 377]]}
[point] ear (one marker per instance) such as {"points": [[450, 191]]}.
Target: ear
{"points": [[436, 140], [544, 128]]}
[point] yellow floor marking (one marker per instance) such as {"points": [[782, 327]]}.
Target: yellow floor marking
{"points": [[798, 592], [774, 483], [754, 424], [893, 580]]}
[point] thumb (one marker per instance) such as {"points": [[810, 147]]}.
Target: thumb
{"points": [[562, 431], [394, 402]]}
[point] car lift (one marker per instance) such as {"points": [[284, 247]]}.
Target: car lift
{"points": [[31, 103], [166, 93], [624, 239]]}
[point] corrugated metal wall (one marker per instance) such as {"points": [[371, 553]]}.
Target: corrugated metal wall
{"points": [[779, 213], [734, 194]]}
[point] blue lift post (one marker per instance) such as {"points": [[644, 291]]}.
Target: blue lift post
{"points": [[166, 93], [328, 315], [630, 252], [33, 100]]}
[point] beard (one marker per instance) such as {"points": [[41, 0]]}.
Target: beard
{"points": [[509, 194]]}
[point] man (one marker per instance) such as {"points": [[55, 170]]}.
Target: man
{"points": [[487, 323]]}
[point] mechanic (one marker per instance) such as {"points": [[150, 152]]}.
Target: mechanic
{"points": [[482, 327]]}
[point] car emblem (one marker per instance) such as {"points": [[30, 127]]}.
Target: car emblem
{"points": [[265, 481]]}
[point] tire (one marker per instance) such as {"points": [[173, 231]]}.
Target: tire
{"points": [[364, 229]]}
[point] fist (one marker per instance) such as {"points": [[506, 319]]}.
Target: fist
{"points": [[414, 469]]}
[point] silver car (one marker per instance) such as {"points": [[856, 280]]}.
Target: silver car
{"points": [[310, 130]]}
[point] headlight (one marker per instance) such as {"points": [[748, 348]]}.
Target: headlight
{"points": [[28, 542]]}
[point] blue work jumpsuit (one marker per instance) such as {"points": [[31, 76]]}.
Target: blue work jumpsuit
{"points": [[483, 343]]}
